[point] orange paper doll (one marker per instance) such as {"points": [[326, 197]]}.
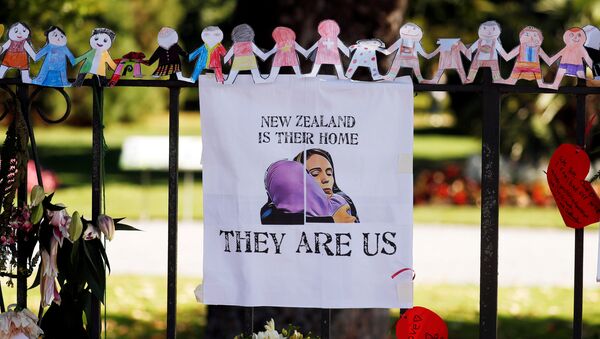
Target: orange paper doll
{"points": [[528, 55], [572, 56]]}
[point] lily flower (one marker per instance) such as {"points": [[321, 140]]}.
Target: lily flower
{"points": [[61, 221], [107, 226], [91, 232], [49, 273]]}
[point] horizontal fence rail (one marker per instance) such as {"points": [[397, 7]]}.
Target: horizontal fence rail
{"points": [[490, 95]]}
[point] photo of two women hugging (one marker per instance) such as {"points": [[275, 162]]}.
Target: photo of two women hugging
{"points": [[305, 190]]}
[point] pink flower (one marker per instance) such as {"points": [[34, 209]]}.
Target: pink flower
{"points": [[91, 232], [61, 221], [49, 273], [107, 226]]}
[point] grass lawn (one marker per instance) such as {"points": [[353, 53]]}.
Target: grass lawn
{"points": [[137, 309]]}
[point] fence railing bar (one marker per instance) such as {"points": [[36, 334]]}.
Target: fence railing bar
{"points": [[95, 328], [23, 97], [172, 217], [325, 323], [488, 292], [578, 262]]}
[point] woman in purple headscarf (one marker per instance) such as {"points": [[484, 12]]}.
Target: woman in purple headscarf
{"points": [[284, 183]]}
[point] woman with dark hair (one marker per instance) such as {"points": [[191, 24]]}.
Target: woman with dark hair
{"points": [[294, 195], [319, 164]]}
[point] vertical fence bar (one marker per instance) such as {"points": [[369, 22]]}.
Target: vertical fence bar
{"points": [[23, 97], [325, 323], [173, 190], [488, 293], [578, 264], [94, 328]]}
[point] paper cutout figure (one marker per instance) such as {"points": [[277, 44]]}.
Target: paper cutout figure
{"points": [[573, 56], [365, 55], [55, 53], [130, 62], [421, 323], [408, 47], [327, 48], [1, 29], [528, 55], [592, 46], [449, 51], [17, 51], [486, 50], [577, 201], [96, 59], [167, 54], [209, 55], [243, 52], [286, 52]]}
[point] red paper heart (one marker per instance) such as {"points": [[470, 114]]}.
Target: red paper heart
{"points": [[421, 323], [577, 201]]}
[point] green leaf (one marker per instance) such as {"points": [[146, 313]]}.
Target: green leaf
{"points": [[125, 227], [37, 212], [37, 195], [36, 281], [103, 253], [76, 227], [75, 254]]}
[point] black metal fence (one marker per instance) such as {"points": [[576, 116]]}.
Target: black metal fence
{"points": [[490, 95]]}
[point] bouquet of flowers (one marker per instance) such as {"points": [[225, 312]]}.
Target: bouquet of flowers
{"points": [[291, 332]]}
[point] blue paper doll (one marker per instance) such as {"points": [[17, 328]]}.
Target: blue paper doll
{"points": [[209, 54], [54, 69]]}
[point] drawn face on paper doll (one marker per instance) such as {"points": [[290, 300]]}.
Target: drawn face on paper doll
{"points": [[410, 31], [167, 37], [18, 32], [102, 39], [371, 44], [212, 35], [328, 29], [489, 30], [531, 36], [242, 33], [574, 37], [283, 35], [55, 36]]}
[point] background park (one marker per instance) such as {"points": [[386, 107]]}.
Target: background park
{"points": [[446, 151]]}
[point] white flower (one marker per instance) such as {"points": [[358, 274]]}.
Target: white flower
{"points": [[269, 333], [91, 232], [107, 226]]}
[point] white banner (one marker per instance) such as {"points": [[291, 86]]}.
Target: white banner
{"points": [[307, 192]]}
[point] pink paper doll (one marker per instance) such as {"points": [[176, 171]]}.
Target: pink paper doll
{"points": [[365, 56], [408, 47], [244, 51], [572, 56], [450, 50], [285, 51], [528, 55], [486, 50], [327, 48], [17, 51]]}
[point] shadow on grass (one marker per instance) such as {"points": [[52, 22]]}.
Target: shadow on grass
{"points": [[524, 328], [191, 324], [73, 167]]}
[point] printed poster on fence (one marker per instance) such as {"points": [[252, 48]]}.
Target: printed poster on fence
{"points": [[307, 192]]}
